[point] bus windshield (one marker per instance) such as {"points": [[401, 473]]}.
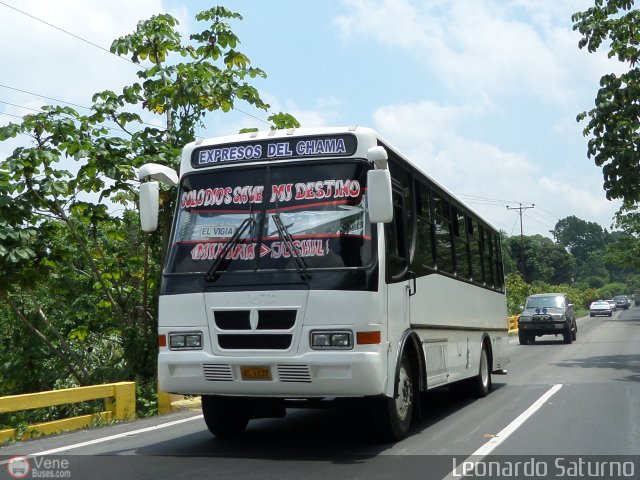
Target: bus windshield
{"points": [[320, 208]]}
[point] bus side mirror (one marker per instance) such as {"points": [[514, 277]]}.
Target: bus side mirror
{"points": [[150, 192], [149, 206], [379, 200], [379, 196]]}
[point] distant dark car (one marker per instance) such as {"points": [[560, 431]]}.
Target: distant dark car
{"points": [[547, 314], [621, 302]]}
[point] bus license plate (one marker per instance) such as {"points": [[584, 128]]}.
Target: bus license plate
{"points": [[255, 373]]}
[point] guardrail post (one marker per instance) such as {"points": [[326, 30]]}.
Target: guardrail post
{"points": [[164, 403], [125, 401]]}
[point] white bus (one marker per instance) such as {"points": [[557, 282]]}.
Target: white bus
{"points": [[311, 264]]}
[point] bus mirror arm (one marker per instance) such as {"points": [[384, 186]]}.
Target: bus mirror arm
{"points": [[161, 173]]}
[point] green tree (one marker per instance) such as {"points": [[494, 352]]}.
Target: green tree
{"points": [[545, 261], [579, 237], [72, 273], [614, 122], [624, 253], [517, 293]]}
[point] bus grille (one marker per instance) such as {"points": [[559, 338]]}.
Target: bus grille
{"points": [[264, 329], [294, 373], [254, 342], [216, 372]]}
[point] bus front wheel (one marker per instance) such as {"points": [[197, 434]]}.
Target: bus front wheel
{"points": [[393, 415], [225, 416]]}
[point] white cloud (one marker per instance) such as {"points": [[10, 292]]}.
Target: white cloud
{"points": [[476, 45], [47, 61], [484, 175]]}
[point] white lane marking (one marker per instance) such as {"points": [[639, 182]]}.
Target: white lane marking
{"points": [[503, 434], [109, 438]]}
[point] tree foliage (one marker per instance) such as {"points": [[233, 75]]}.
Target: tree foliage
{"points": [[544, 259], [73, 289], [613, 124], [625, 251], [579, 237]]}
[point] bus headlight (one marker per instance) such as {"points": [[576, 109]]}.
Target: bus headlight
{"points": [[332, 340], [185, 341]]}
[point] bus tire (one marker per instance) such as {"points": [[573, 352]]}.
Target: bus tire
{"points": [[392, 416], [225, 416], [480, 385]]}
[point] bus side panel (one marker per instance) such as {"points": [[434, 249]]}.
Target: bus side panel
{"points": [[452, 317]]}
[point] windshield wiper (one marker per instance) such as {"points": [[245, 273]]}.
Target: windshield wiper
{"points": [[233, 241], [288, 242]]}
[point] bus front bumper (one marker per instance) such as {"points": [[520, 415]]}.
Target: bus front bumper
{"points": [[311, 375]]}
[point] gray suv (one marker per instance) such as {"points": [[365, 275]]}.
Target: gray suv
{"points": [[547, 314], [621, 302]]}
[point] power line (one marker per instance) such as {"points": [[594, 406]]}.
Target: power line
{"points": [[78, 37], [89, 108], [474, 198], [20, 106], [44, 96], [40, 111], [66, 32], [10, 115], [50, 98]]}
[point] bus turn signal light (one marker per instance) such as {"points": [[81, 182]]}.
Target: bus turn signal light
{"points": [[162, 340], [368, 338]]}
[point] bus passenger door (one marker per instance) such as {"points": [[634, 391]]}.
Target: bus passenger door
{"points": [[400, 283]]}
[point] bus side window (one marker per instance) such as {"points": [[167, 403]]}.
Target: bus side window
{"points": [[488, 261], [498, 262], [425, 243], [396, 235], [475, 248], [442, 220], [461, 243]]}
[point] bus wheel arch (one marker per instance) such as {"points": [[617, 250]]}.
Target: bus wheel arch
{"points": [[411, 346], [394, 415]]}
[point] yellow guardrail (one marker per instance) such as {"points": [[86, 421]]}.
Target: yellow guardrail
{"points": [[170, 402], [513, 323], [120, 404]]}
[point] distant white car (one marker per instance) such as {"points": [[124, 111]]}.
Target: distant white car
{"points": [[601, 307]]}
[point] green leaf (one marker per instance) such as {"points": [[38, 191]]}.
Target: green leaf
{"points": [[79, 333]]}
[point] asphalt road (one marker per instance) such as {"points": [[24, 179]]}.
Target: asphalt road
{"points": [[558, 404]]}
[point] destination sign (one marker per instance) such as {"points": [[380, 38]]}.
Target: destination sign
{"points": [[275, 149]]}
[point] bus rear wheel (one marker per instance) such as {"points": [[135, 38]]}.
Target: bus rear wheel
{"points": [[392, 416], [225, 416], [480, 385]]}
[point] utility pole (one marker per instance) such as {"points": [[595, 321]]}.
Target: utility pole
{"points": [[520, 209]]}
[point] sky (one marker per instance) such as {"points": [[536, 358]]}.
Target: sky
{"points": [[482, 94]]}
